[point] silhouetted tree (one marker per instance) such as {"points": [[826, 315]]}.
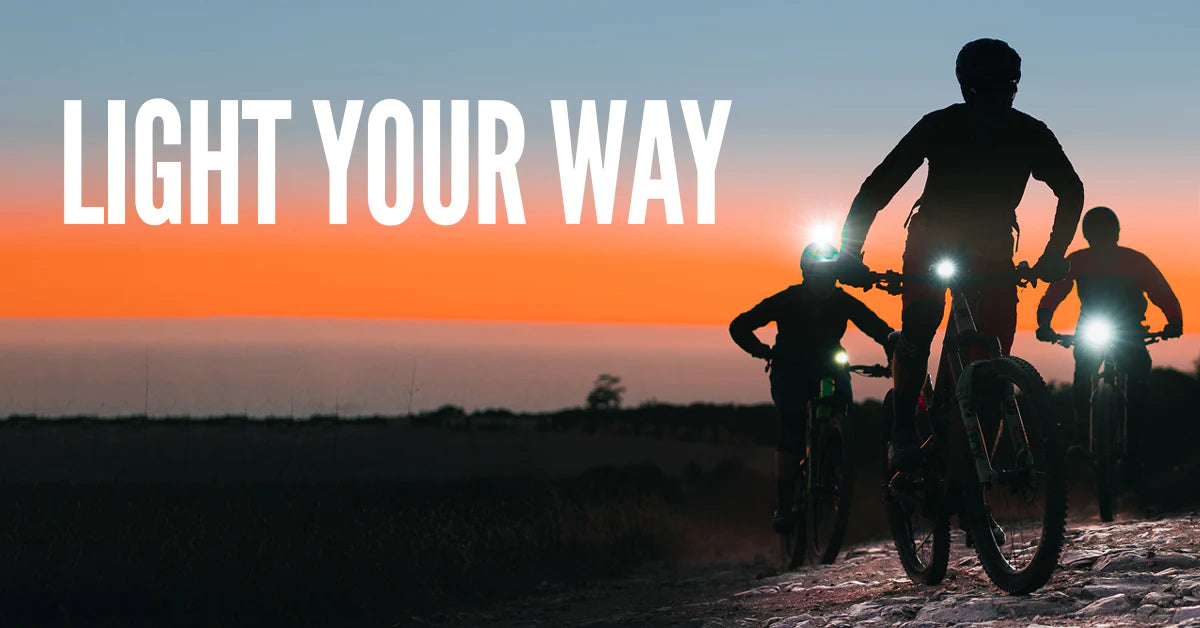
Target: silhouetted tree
{"points": [[606, 393]]}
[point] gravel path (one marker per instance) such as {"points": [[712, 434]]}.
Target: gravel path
{"points": [[1124, 573]]}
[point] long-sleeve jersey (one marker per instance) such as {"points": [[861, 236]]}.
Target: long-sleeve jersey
{"points": [[807, 326], [980, 161], [1113, 282]]}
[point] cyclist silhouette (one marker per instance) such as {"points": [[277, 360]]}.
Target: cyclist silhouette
{"points": [[981, 154], [810, 318], [1113, 283]]}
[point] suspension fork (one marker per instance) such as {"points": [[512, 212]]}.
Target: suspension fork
{"points": [[1112, 378], [967, 335], [1099, 380], [1119, 380], [962, 324]]}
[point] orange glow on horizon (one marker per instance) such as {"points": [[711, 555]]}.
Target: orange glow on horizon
{"points": [[542, 271]]}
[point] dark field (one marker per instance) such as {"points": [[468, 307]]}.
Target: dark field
{"points": [[235, 522]]}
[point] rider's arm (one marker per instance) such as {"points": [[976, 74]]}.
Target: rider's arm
{"points": [[867, 321], [742, 328], [1055, 295], [1151, 280], [883, 183], [1052, 166]]}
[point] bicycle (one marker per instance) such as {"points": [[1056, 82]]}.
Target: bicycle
{"points": [[821, 507], [1108, 419], [992, 455]]}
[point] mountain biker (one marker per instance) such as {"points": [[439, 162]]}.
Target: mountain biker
{"points": [[1113, 282], [981, 154], [810, 318]]}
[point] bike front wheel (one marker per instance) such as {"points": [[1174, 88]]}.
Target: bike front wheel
{"points": [[1106, 407], [1018, 517], [828, 507]]}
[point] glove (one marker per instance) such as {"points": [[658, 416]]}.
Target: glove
{"points": [[851, 270], [1052, 268], [1045, 334], [1174, 328], [889, 345]]}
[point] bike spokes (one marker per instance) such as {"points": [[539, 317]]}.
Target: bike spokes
{"points": [[1018, 520], [916, 515], [829, 500]]}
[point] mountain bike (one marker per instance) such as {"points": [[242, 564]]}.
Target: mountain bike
{"points": [[825, 480], [992, 454], [1108, 444]]}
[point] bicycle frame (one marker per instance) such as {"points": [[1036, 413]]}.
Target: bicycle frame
{"points": [[955, 373], [827, 403], [962, 335], [821, 418], [1111, 375]]}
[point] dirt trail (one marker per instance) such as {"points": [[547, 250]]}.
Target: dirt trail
{"points": [[1133, 572]]}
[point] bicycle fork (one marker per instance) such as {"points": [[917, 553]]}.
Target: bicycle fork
{"points": [[1010, 422]]}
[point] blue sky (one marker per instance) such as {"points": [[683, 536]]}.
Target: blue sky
{"points": [[818, 88]]}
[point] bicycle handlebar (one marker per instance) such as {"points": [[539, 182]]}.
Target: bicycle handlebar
{"points": [[871, 370], [868, 370], [892, 281], [1069, 340]]}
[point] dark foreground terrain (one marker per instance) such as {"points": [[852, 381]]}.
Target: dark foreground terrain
{"points": [[656, 515], [1123, 574]]}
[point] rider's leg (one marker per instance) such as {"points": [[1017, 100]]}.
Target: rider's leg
{"points": [[787, 388], [920, 320], [788, 453], [923, 304], [786, 465], [996, 309]]}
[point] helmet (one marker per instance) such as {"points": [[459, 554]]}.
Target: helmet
{"points": [[987, 64], [1101, 224], [817, 256]]}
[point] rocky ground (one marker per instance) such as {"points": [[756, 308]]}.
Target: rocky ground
{"points": [[1133, 572]]}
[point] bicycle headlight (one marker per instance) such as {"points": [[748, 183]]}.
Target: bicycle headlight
{"points": [[824, 233], [841, 358], [1097, 332], [945, 269]]}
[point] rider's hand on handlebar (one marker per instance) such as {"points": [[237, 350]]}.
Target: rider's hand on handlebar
{"points": [[1052, 268], [851, 270], [1045, 334], [1173, 329], [889, 346]]}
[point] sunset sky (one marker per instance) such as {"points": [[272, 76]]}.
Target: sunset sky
{"points": [[820, 93]]}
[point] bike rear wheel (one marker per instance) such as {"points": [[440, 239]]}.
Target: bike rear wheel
{"points": [[828, 507], [915, 507], [1028, 497], [1105, 410]]}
